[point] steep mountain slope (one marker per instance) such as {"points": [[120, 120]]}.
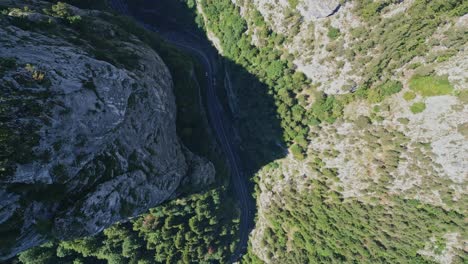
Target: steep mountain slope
{"points": [[88, 133], [372, 97]]}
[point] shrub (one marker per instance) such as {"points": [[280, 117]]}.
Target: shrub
{"points": [[463, 96], [362, 122], [418, 107], [297, 152], [415, 65], [431, 85], [61, 10], [403, 120], [391, 87], [380, 92], [333, 33], [301, 141], [36, 75], [327, 108]]}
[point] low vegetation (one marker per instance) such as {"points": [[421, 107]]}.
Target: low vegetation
{"points": [[408, 96], [380, 92], [431, 85], [418, 107], [61, 10], [297, 151], [333, 33], [293, 3]]}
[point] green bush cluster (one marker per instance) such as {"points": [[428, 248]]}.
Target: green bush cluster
{"points": [[380, 92], [463, 96], [297, 151], [61, 10]]}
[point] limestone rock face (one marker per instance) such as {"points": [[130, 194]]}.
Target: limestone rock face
{"points": [[317, 8], [93, 115]]}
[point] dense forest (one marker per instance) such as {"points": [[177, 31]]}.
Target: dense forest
{"points": [[199, 228]]}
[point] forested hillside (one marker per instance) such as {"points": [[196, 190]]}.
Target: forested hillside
{"points": [[377, 165], [194, 229]]}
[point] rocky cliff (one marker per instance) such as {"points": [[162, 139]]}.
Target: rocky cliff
{"points": [[88, 133]]}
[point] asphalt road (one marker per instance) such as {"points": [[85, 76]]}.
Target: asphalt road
{"points": [[222, 128]]}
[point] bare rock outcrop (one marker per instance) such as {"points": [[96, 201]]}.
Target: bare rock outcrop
{"points": [[313, 9]]}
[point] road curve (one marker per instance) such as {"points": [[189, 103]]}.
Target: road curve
{"points": [[189, 42]]}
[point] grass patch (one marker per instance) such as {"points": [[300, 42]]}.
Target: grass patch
{"points": [[418, 107], [431, 85], [408, 96]]}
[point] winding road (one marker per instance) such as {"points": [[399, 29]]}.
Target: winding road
{"points": [[222, 128]]}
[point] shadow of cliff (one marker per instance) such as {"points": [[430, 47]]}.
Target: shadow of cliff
{"points": [[249, 111], [254, 116], [255, 119]]}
